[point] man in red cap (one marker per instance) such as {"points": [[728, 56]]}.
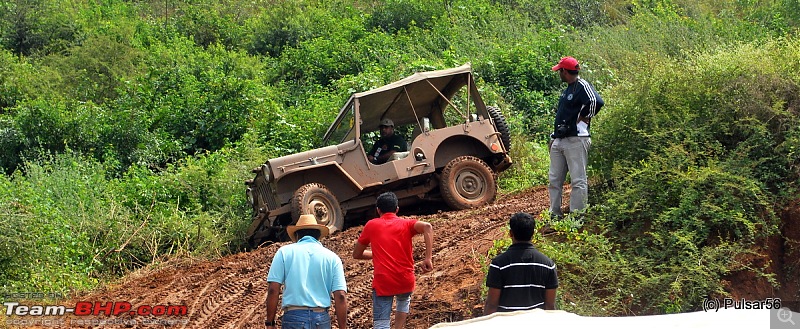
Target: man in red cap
{"points": [[570, 140]]}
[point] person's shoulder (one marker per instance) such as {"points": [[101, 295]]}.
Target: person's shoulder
{"points": [[503, 257], [544, 258], [330, 253], [411, 221], [373, 222], [585, 84], [287, 249]]}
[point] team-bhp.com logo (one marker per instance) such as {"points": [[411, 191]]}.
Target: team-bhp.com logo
{"points": [[96, 308]]}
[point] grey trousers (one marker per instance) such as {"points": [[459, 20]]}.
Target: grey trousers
{"points": [[570, 154]]}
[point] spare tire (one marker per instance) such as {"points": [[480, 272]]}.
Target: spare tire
{"points": [[501, 125]]}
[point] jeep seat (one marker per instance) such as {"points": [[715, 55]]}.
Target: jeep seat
{"points": [[398, 156]]}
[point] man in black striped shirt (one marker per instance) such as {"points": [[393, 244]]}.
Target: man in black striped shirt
{"points": [[521, 278]]}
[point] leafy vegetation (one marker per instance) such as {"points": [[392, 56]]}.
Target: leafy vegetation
{"points": [[126, 128]]}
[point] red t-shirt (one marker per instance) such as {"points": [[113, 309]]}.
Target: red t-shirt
{"points": [[390, 239]]}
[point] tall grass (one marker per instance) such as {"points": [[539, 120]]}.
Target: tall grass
{"points": [[69, 227]]}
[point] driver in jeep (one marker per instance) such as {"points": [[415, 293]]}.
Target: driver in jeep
{"points": [[388, 144]]}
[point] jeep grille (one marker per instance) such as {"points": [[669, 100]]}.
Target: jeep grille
{"points": [[264, 193]]}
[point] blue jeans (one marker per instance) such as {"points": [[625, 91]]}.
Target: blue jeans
{"points": [[382, 308], [305, 319]]}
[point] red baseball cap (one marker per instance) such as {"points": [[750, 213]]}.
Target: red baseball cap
{"points": [[567, 63]]}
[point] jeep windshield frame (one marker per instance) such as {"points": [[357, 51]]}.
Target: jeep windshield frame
{"points": [[344, 128]]}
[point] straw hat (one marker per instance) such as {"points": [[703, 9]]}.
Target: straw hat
{"points": [[307, 222]]}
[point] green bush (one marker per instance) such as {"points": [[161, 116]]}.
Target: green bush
{"points": [[523, 71], [77, 228], [95, 69], [531, 165], [38, 27], [202, 99], [677, 104], [287, 24], [59, 214], [212, 22], [15, 80], [394, 15]]}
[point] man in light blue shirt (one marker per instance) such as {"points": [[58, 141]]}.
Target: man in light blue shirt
{"points": [[311, 274]]}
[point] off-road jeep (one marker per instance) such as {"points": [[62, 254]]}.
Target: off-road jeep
{"points": [[456, 147]]}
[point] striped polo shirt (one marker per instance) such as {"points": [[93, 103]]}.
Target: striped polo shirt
{"points": [[522, 273]]}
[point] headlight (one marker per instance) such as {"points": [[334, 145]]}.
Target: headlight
{"points": [[250, 196]]}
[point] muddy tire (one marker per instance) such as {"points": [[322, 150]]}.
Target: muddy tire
{"points": [[315, 199], [468, 182], [501, 125]]}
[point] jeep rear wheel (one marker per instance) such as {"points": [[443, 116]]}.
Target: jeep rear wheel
{"points": [[467, 182], [315, 199]]}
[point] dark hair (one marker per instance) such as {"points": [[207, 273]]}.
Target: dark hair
{"points": [[312, 232], [573, 72], [387, 202], [522, 226]]}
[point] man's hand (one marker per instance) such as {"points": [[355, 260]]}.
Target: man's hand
{"points": [[427, 266], [273, 290], [426, 230]]}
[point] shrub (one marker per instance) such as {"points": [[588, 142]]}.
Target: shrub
{"points": [[527, 82], [531, 165], [202, 99], [37, 27], [95, 69], [677, 104], [394, 15], [288, 23], [212, 22]]}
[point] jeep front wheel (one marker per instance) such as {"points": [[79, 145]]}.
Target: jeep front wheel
{"points": [[467, 182], [315, 199]]}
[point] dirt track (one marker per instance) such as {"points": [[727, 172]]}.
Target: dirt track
{"points": [[229, 292]]}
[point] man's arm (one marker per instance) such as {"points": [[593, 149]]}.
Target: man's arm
{"points": [[396, 144], [360, 251], [591, 101], [372, 156], [426, 230], [492, 299], [549, 299], [273, 291], [340, 307], [385, 156]]}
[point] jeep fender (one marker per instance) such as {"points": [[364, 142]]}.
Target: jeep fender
{"points": [[329, 174], [460, 145]]}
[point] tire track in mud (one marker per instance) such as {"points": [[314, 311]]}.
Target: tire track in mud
{"points": [[230, 292]]}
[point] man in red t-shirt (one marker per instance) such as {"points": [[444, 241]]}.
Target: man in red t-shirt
{"points": [[390, 237]]}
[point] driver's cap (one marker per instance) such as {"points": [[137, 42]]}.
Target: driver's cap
{"points": [[387, 122]]}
